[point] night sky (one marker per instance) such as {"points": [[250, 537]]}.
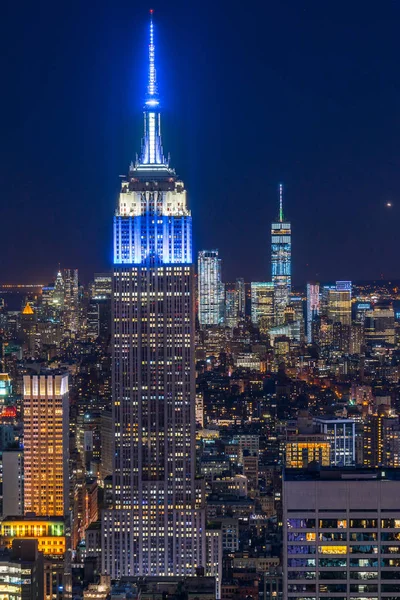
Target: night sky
{"points": [[303, 92]]}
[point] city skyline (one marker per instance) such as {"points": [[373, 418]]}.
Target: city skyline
{"points": [[330, 142], [225, 435]]}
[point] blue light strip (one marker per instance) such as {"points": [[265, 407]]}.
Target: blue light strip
{"points": [[152, 84]]}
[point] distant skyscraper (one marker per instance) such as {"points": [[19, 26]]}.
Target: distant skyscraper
{"points": [[324, 299], [240, 298], [71, 300], [281, 261], [231, 305], [235, 303], [29, 328], [297, 304], [211, 296], [57, 294], [262, 304], [102, 286], [157, 523], [313, 307], [99, 307], [46, 439], [356, 337], [379, 324], [339, 303]]}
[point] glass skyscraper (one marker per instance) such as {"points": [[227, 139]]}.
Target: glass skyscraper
{"points": [[313, 307], [210, 288], [157, 523], [262, 304], [281, 261], [339, 303]]}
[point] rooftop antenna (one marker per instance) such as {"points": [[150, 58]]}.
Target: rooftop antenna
{"points": [[281, 202], [152, 84]]}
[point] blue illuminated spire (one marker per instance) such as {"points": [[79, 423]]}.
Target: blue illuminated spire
{"points": [[281, 202], [152, 95], [152, 150]]}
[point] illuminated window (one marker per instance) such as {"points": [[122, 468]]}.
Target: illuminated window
{"points": [[390, 523], [332, 549]]}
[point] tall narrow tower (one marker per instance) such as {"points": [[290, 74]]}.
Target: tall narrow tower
{"points": [[210, 288], [157, 523], [46, 443], [313, 307], [281, 261]]}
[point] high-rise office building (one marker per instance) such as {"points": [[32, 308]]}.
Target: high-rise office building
{"points": [[340, 533], [235, 303], [341, 337], [22, 571], [341, 435], [262, 304], [46, 439], [339, 303], [379, 324], [157, 523], [210, 288], [99, 307], [56, 296], [71, 300], [13, 481], [324, 298], [29, 328], [93, 320], [382, 439], [356, 337], [297, 306], [240, 298], [102, 286], [313, 307], [231, 305], [281, 261], [231, 319]]}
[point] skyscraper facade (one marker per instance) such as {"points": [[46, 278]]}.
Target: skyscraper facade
{"points": [[235, 302], [379, 324], [210, 288], [262, 304], [71, 300], [157, 523], [46, 439], [339, 303], [281, 261], [313, 307], [240, 297], [231, 305], [338, 526]]}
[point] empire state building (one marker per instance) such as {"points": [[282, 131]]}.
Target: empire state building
{"points": [[157, 523]]}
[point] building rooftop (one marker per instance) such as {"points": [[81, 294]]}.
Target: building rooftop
{"points": [[333, 419], [32, 517], [229, 499], [28, 310], [318, 473]]}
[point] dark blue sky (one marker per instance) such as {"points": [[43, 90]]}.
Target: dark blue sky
{"points": [[304, 92]]}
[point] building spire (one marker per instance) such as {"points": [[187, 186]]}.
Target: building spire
{"points": [[152, 154], [281, 202], [152, 95]]}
